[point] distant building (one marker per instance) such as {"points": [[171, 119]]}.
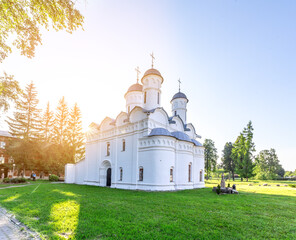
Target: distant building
{"points": [[4, 142], [143, 148]]}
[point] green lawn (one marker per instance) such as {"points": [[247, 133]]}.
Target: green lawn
{"points": [[59, 211]]}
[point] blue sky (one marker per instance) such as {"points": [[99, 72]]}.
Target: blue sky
{"points": [[236, 61]]}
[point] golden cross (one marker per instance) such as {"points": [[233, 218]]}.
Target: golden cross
{"points": [[153, 58], [179, 84], [138, 73]]}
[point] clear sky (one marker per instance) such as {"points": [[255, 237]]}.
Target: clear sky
{"points": [[236, 61]]}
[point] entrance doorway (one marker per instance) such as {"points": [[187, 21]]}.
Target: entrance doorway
{"points": [[108, 182]]}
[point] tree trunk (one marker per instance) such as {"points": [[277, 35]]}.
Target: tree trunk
{"points": [[242, 179], [233, 176], [247, 179]]}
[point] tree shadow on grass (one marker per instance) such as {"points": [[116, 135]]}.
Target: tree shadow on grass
{"points": [[88, 212]]}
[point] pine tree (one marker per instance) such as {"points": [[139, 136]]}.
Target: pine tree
{"points": [[243, 152], [25, 122], [47, 124], [211, 156], [61, 123], [75, 134], [228, 163]]}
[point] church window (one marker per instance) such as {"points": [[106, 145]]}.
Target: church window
{"points": [[189, 172], [141, 174], [108, 149], [157, 98], [145, 96], [120, 173], [123, 145], [171, 174], [175, 113], [200, 176], [2, 145]]}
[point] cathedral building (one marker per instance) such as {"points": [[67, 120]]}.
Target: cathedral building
{"points": [[143, 148]]}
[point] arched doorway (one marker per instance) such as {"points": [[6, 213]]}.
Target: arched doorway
{"points": [[105, 173], [108, 180]]}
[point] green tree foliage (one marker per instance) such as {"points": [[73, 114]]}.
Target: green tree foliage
{"points": [[75, 134], [228, 163], [61, 123], [46, 129], [21, 22], [242, 152], [267, 165], [211, 156], [9, 91], [25, 122]]}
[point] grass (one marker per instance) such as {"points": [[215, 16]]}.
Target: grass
{"points": [[61, 211]]}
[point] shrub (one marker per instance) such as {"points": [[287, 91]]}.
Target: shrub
{"points": [[292, 185], [6, 180], [14, 180], [218, 190], [53, 178]]}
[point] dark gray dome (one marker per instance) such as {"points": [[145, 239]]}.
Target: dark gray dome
{"points": [[179, 95], [160, 132], [135, 87], [181, 136], [152, 71]]}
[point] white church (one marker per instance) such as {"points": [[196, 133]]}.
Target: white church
{"points": [[143, 148]]}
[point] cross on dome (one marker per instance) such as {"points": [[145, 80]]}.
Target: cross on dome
{"points": [[138, 73], [153, 58], [179, 84]]}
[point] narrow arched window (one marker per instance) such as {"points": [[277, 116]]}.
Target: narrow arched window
{"points": [[120, 173], [157, 98], [145, 96], [108, 149], [189, 172], [123, 145], [175, 113], [200, 176], [141, 173], [171, 174]]}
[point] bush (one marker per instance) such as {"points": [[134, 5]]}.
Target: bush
{"points": [[292, 185], [6, 180], [53, 178], [14, 180], [218, 190]]}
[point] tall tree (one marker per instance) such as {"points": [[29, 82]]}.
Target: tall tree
{"points": [[228, 163], [21, 21], [242, 152], [75, 134], [46, 130], [211, 156], [25, 122], [9, 91], [267, 165], [61, 123]]}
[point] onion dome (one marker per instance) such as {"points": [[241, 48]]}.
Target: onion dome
{"points": [[160, 132], [135, 87], [179, 95], [152, 71]]}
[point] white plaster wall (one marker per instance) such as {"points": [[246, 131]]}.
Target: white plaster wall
{"points": [[80, 172], [70, 173], [133, 99], [152, 85], [180, 106]]}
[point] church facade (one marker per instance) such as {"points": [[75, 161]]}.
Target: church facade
{"points": [[143, 148]]}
